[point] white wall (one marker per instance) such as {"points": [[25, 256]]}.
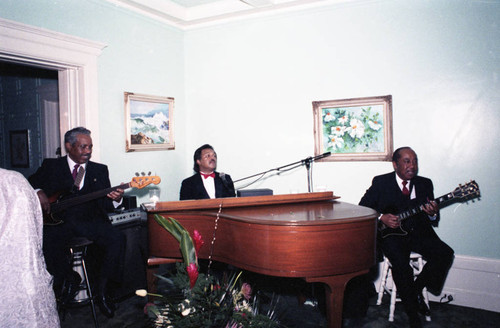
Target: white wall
{"points": [[250, 85]]}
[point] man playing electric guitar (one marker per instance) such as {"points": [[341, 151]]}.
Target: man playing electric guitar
{"points": [[391, 194], [88, 219]]}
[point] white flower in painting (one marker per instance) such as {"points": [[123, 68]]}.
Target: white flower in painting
{"points": [[375, 125], [338, 130], [328, 117], [343, 119], [357, 129], [335, 142]]}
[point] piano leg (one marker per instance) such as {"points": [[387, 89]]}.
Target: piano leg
{"points": [[334, 291]]}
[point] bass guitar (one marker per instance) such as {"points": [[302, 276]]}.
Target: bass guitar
{"points": [[464, 193], [59, 202]]}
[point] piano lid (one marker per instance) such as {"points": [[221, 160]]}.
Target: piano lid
{"points": [[294, 209], [201, 204]]}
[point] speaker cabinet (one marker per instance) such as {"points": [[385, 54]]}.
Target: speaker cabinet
{"points": [[136, 257]]}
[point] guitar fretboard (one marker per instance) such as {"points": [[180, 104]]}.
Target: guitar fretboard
{"points": [[420, 208], [66, 203]]}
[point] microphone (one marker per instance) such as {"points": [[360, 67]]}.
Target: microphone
{"points": [[225, 182], [224, 179]]}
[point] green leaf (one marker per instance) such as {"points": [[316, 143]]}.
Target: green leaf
{"points": [[187, 248], [168, 225]]}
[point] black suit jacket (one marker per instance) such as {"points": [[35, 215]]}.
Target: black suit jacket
{"points": [[385, 196], [193, 188], [54, 177]]}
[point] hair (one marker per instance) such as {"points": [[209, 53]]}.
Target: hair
{"points": [[71, 136], [397, 153], [197, 156]]}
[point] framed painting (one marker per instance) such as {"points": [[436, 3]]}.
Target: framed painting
{"points": [[357, 129], [19, 148], [149, 123]]}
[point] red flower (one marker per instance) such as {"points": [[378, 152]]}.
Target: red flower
{"points": [[192, 271], [198, 241]]}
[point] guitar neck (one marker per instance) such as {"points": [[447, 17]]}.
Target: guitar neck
{"points": [[419, 209], [64, 204]]}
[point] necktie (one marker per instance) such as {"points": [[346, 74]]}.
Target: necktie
{"points": [[208, 175], [75, 171], [406, 192], [79, 177]]}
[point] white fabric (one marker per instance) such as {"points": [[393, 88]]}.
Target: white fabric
{"points": [[27, 298]]}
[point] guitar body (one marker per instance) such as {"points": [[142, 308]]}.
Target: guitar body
{"points": [[54, 218], [384, 231]]}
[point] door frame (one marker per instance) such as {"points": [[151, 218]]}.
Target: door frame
{"points": [[74, 58]]}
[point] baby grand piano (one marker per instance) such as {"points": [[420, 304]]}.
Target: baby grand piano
{"points": [[311, 236]]}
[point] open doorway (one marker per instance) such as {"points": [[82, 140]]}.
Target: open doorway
{"points": [[29, 106]]}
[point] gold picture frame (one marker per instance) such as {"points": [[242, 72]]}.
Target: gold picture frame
{"points": [[356, 129], [149, 123]]}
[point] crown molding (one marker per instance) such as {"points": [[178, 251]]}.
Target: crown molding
{"points": [[215, 12]]}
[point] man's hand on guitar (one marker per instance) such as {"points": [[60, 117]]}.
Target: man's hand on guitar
{"points": [[44, 201], [431, 208], [390, 220], [116, 195]]}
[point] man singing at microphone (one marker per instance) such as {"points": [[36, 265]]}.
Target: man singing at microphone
{"points": [[206, 183]]}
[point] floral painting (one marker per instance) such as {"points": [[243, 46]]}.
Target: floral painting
{"points": [[149, 122], [354, 129]]}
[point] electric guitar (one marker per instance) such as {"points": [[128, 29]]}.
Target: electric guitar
{"points": [[59, 202], [469, 191]]}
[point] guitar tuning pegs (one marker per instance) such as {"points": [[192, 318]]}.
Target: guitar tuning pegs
{"points": [[136, 174], [149, 173], [143, 174]]}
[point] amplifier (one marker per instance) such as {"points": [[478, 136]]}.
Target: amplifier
{"points": [[135, 215]]}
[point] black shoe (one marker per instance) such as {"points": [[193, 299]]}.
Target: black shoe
{"points": [[106, 306], [422, 307]]}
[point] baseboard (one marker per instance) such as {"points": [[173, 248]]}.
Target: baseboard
{"points": [[472, 282]]}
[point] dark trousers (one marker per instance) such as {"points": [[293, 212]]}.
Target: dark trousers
{"points": [[438, 255], [109, 243]]}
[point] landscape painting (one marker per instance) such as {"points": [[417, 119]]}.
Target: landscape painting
{"points": [[149, 122]]}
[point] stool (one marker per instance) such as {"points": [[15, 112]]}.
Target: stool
{"points": [[417, 263], [78, 249]]}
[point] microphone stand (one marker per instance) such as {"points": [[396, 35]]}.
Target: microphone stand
{"points": [[307, 162]]}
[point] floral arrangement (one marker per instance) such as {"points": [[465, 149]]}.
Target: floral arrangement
{"points": [[347, 131], [193, 299]]}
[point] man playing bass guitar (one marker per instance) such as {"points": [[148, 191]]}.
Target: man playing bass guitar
{"points": [[78, 176]]}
